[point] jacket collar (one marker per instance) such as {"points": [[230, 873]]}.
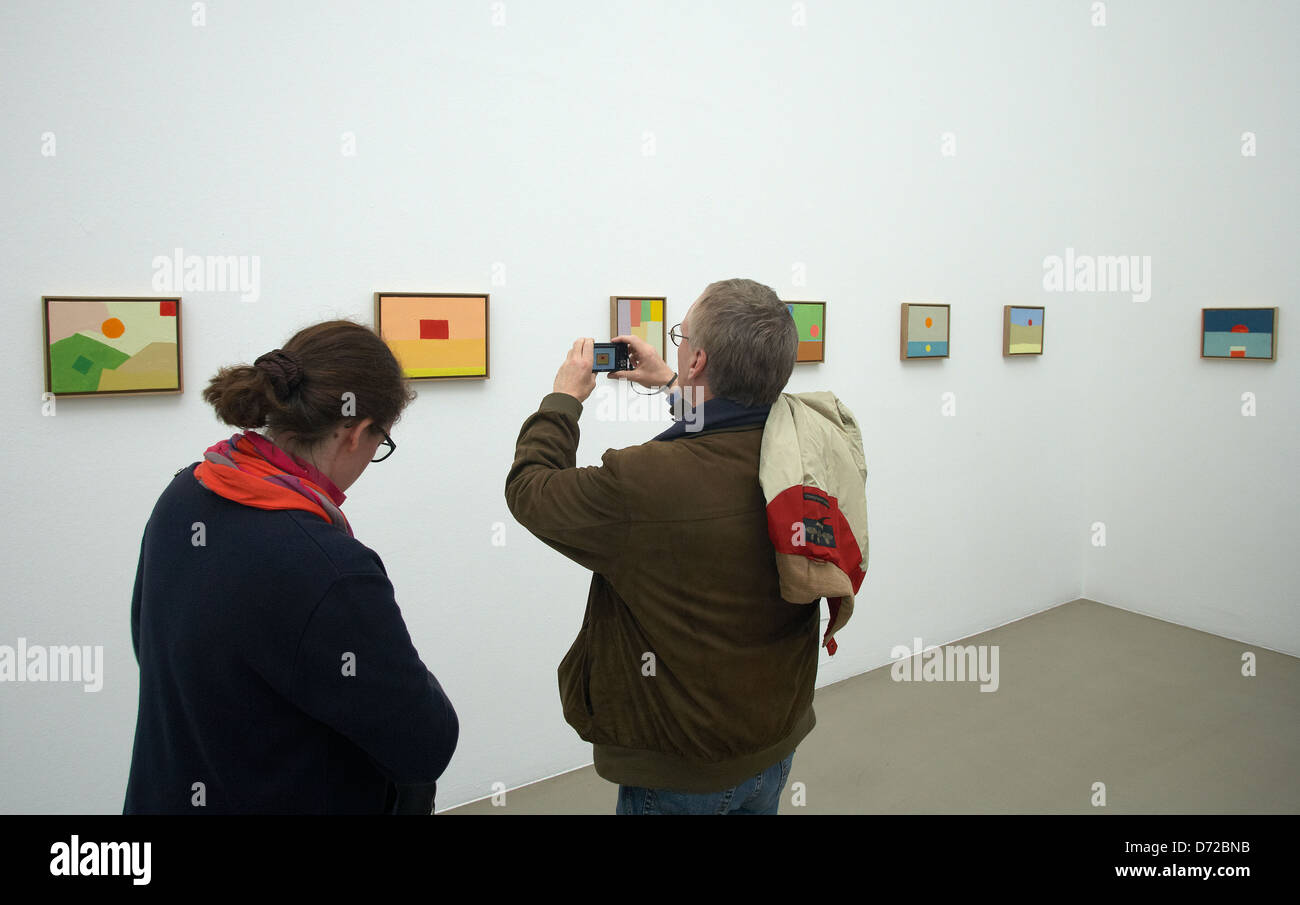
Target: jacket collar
{"points": [[716, 414]]}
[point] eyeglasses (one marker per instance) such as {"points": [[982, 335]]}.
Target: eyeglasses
{"points": [[388, 441], [676, 334]]}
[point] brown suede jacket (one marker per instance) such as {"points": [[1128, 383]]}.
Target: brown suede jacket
{"points": [[689, 672]]}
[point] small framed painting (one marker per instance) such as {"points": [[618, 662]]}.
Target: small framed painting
{"points": [[924, 331], [98, 346], [641, 316], [435, 335], [810, 320], [1022, 331], [1247, 333]]}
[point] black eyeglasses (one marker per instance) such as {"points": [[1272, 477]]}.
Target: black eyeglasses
{"points": [[388, 441], [676, 334]]}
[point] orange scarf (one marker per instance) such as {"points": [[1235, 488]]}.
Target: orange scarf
{"points": [[253, 471]]}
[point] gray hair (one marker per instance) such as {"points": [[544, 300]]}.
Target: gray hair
{"points": [[749, 337]]}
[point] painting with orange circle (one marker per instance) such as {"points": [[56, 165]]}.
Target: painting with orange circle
{"points": [[112, 346], [924, 331]]}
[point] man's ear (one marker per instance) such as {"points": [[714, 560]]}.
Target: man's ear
{"points": [[696, 367]]}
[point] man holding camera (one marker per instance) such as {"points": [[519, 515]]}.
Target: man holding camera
{"points": [[691, 676]]}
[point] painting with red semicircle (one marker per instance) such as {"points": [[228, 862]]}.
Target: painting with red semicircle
{"points": [[1246, 333]]}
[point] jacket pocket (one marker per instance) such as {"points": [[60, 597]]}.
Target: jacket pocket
{"points": [[575, 685]]}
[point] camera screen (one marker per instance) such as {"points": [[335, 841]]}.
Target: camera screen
{"points": [[603, 357]]}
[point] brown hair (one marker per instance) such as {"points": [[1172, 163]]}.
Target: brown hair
{"points": [[750, 339], [332, 358]]}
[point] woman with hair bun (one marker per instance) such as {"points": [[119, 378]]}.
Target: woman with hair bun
{"points": [[276, 672]]}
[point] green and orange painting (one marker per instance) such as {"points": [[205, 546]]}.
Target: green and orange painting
{"points": [[810, 321], [109, 346]]}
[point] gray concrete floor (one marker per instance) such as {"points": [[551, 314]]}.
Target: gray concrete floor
{"points": [[1159, 713]]}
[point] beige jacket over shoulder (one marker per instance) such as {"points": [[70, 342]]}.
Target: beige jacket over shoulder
{"points": [[813, 473]]}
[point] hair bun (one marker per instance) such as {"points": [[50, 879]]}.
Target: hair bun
{"points": [[284, 369]]}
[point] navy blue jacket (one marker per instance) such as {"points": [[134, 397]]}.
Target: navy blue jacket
{"points": [[245, 643]]}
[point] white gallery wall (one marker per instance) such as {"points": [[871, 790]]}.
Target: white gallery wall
{"points": [[555, 154]]}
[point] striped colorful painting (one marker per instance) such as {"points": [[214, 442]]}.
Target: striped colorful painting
{"points": [[810, 320], [639, 316], [924, 331], [112, 346], [1022, 330], [435, 336], [1239, 333]]}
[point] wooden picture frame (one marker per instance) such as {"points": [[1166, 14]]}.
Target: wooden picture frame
{"points": [[636, 317], [915, 335], [408, 330], [1036, 325], [123, 365], [816, 342], [1244, 321]]}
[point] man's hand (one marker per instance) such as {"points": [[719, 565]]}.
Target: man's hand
{"points": [[648, 369], [575, 376]]}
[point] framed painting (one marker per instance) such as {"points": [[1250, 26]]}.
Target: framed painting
{"points": [[111, 346], [1022, 331], [436, 335], [810, 320], [925, 330], [1246, 333], [643, 316]]}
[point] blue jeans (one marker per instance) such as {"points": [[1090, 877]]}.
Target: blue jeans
{"points": [[760, 794]]}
